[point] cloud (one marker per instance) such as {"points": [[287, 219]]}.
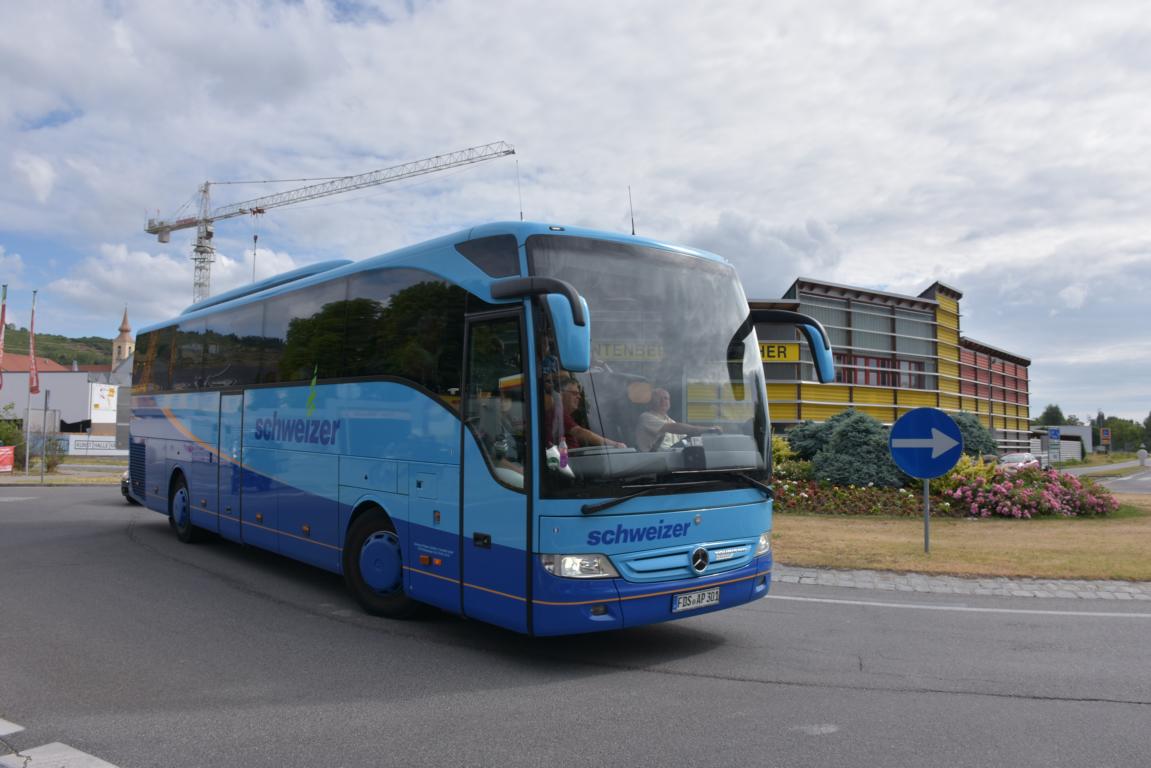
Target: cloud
{"points": [[37, 173], [769, 256], [11, 266], [154, 287]]}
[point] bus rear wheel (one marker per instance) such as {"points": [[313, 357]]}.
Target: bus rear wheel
{"points": [[180, 513], [374, 568]]}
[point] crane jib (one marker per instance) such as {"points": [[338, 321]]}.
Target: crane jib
{"points": [[203, 254]]}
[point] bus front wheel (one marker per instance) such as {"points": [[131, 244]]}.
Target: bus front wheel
{"points": [[180, 513], [373, 566]]}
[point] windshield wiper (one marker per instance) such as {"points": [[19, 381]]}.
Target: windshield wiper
{"points": [[746, 478], [590, 509], [754, 483]]}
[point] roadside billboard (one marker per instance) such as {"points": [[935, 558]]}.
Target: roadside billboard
{"points": [[102, 403]]}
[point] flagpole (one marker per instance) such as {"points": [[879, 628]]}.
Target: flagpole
{"points": [[33, 374], [27, 433], [3, 324], [33, 383]]}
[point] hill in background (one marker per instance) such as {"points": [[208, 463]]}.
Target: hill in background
{"points": [[89, 350]]}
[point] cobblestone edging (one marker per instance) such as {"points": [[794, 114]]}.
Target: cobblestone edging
{"points": [[955, 585]]}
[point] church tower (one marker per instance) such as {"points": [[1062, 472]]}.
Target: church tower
{"points": [[123, 346]]}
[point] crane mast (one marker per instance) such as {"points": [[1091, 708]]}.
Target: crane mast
{"points": [[203, 254]]}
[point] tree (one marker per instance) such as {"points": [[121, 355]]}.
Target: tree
{"points": [[1126, 434], [978, 440], [856, 453], [12, 432], [1052, 416]]}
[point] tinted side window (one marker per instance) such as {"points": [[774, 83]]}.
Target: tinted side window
{"points": [[188, 356], [407, 324], [314, 343], [497, 256], [303, 334], [161, 360], [144, 363], [234, 341]]}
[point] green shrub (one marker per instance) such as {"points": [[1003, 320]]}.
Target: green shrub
{"points": [[780, 450], [12, 432], [793, 469], [978, 440], [964, 473], [808, 438], [856, 454]]}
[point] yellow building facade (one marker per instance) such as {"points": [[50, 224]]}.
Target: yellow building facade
{"points": [[893, 353]]}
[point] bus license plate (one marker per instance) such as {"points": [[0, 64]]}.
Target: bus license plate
{"points": [[692, 600]]}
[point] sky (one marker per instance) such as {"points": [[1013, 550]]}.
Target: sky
{"points": [[1001, 148]]}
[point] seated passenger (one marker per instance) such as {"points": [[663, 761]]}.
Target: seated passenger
{"points": [[575, 435], [657, 431]]}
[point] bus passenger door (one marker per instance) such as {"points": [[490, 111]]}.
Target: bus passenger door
{"points": [[230, 451], [494, 533]]}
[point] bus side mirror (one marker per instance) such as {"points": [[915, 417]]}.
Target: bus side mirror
{"points": [[817, 339], [568, 312], [574, 341], [820, 346]]}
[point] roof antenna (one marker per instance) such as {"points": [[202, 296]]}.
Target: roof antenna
{"points": [[518, 190], [631, 208]]}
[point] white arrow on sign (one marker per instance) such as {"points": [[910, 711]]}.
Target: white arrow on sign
{"points": [[939, 443]]}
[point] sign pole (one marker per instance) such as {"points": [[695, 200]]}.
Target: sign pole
{"points": [[925, 443], [44, 436], [27, 434], [926, 516]]}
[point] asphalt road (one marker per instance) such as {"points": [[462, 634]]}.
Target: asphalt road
{"points": [[128, 646], [1140, 482]]}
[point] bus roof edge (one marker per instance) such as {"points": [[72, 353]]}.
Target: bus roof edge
{"points": [[271, 282]]}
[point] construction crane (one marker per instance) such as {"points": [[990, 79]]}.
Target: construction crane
{"points": [[203, 254]]}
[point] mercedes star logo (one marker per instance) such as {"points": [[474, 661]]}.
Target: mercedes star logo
{"points": [[699, 560]]}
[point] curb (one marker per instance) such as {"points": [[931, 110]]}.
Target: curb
{"points": [[997, 586]]}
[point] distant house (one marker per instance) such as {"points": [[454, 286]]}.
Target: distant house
{"points": [[14, 363], [69, 406]]}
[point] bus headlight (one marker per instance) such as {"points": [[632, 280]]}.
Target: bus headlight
{"points": [[764, 545], [579, 566]]}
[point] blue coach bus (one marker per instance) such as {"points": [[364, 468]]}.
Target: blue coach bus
{"points": [[456, 424]]}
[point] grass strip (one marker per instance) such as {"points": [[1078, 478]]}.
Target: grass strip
{"points": [[1115, 547]]}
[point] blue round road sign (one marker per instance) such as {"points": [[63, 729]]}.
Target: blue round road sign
{"points": [[925, 442]]}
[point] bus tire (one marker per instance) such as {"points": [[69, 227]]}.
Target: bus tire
{"points": [[373, 566], [180, 512]]}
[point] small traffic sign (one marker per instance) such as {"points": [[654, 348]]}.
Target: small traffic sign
{"points": [[1105, 435], [925, 442]]}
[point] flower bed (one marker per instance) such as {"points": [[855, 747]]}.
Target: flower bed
{"points": [[1032, 493], [971, 490], [810, 497]]}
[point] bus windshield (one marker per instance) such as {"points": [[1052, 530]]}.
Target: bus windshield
{"points": [[675, 390]]}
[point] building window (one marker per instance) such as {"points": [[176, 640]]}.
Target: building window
{"points": [[911, 374]]}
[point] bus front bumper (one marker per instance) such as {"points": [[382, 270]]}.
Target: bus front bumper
{"points": [[570, 606]]}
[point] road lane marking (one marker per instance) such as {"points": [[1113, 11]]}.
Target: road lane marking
{"points": [[821, 729], [961, 608], [17, 498], [54, 755], [7, 728]]}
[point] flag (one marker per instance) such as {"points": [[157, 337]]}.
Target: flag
{"points": [[33, 376], [3, 321]]}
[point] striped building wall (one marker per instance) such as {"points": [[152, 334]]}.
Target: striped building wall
{"points": [[895, 353]]}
